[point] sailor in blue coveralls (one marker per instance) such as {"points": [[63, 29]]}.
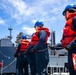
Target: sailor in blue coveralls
{"points": [[22, 61], [69, 36], [39, 47]]}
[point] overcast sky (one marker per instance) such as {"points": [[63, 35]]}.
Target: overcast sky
{"points": [[22, 14]]}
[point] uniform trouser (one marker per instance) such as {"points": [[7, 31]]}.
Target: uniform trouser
{"points": [[32, 62], [23, 65], [42, 59], [17, 66], [70, 64]]}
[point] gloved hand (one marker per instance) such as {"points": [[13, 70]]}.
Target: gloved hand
{"points": [[32, 50], [15, 55], [25, 53], [68, 48], [73, 44]]}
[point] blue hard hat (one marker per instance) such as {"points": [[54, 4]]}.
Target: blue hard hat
{"points": [[23, 36], [38, 24], [70, 6]]}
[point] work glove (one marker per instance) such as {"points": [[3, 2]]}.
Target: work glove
{"points": [[25, 53], [68, 48], [32, 50], [16, 54], [73, 44]]}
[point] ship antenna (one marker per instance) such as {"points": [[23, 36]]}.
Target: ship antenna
{"points": [[10, 29]]}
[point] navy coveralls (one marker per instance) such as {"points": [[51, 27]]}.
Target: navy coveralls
{"points": [[41, 57], [70, 61], [31, 60], [22, 63]]}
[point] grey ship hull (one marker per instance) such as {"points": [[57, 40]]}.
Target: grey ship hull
{"points": [[7, 57]]}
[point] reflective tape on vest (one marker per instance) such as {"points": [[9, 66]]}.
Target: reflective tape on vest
{"points": [[74, 60]]}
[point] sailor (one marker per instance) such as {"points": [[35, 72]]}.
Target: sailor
{"points": [[39, 46], [22, 63], [69, 36]]}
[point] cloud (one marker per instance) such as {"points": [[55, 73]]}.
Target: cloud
{"points": [[33, 10], [28, 30], [47, 11], [27, 12], [19, 5], [2, 22], [34, 21]]}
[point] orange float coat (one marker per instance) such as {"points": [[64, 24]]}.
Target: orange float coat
{"points": [[35, 38], [68, 34], [24, 45]]}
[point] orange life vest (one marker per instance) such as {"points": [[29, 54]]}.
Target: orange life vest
{"points": [[24, 45], [68, 34], [35, 38]]}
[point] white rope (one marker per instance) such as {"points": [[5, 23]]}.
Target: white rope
{"points": [[8, 65], [4, 55]]}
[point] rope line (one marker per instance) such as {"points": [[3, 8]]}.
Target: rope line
{"points": [[4, 55], [8, 65]]}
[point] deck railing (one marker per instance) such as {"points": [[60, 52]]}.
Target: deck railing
{"points": [[57, 71]]}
